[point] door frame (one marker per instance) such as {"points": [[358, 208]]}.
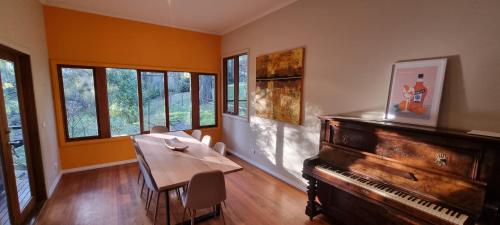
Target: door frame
{"points": [[27, 107]]}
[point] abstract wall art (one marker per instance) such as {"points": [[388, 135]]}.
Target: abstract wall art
{"points": [[279, 86]]}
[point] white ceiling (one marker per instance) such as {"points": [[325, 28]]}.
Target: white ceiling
{"points": [[209, 16]]}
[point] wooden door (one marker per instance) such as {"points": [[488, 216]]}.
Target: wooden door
{"points": [[17, 139]]}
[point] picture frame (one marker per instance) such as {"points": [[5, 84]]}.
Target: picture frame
{"points": [[415, 92]]}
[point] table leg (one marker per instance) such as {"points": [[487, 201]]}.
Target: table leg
{"points": [[167, 203]]}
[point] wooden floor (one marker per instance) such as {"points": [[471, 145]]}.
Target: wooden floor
{"points": [[110, 196]]}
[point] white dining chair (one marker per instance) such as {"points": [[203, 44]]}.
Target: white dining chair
{"points": [[196, 134], [204, 190], [206, 140], [159, 129], [220, 148]]}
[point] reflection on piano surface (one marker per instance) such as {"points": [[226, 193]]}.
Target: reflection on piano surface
{"points": [[371, 172]]}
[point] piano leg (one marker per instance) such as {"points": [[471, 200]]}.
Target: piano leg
{"points": [[312, 208]]}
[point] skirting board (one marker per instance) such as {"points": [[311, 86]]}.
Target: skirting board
{"points": [[97, 166], [53, 187], [267, 170]]}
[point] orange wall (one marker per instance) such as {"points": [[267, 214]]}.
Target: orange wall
{"points": [[88, 39]]}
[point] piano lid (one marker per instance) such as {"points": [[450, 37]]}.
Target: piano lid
{"points": [[377, 118]]}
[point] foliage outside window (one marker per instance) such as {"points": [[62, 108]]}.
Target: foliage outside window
{"points": [[207, 89], [123, 101], [80, 102], [179, 100], [153, 99], [103, 102], [235, 85]]}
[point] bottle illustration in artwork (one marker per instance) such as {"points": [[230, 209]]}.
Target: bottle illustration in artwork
{"points": [[416, 105]]}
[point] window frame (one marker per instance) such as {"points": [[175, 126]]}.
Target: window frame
{"points": [[63, 103], [101, 99], [236, 74]]}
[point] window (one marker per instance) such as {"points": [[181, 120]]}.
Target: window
{"points": [[123, 101], [79, 102], [179, 100], [103, 102], [230, 86], [153, 99], [235, 85], [242, 85], [207, 89]]}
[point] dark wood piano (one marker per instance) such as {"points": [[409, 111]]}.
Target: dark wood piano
{"points": [[376, 172]]}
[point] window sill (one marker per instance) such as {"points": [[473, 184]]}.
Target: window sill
{"points": [[235, 117]]}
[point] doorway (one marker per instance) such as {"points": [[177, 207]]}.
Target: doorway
{"points": [[22, 188]]}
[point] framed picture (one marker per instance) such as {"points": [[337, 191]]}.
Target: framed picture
{"points": [[415, 92], [278, 90]]}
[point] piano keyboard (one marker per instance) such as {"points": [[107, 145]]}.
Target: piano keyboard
{"points": [[387, 191]]}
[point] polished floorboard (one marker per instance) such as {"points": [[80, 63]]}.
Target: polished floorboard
{"points": [[110, 196]]}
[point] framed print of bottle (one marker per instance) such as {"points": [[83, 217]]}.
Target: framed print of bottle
{"points": [[415, 92]]}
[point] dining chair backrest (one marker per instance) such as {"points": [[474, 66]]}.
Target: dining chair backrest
{"points": [[196, 134], [159, 129], [137, 149], [205, 190], [144, 167], [146, 171], [207, 140], [220, 148]]}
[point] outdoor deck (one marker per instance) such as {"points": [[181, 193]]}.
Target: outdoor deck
{"points": [[24, 193]]}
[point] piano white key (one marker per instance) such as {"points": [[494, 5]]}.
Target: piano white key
{"points": [[395, 195]]}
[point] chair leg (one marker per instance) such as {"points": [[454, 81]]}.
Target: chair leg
{"points": [[147, 200], [157, 206], [150, 199], [222, 214], [178, 192], [193, 216], [183, 215], [139, 176], [142, 189]]}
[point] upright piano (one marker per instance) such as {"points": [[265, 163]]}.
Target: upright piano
{"points": [[377, 172]]}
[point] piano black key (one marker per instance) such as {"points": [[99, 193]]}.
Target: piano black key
{"points": [[420, 201], [454, 213], [448, 211], [429, 204], [440, 208], [435, 207], [458, 215]]}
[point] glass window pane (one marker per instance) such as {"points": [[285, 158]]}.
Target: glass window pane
{"points": [[242, 91], [230, 85], [179, 100], [123, 101], [153, 99], [79, 100], [207, 100]]}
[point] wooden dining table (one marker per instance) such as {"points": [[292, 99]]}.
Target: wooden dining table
{"points": [[173, 169]]}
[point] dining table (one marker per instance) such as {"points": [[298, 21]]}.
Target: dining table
{"points": [[172, 169]]}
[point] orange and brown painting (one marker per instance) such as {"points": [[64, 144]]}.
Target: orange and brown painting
{"points": [[279, 85]]}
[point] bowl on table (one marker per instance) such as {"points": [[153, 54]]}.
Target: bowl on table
{"points": [[175, 144]]}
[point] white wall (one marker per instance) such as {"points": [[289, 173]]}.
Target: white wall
{"points": [[22, 28], [350, 47]]}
